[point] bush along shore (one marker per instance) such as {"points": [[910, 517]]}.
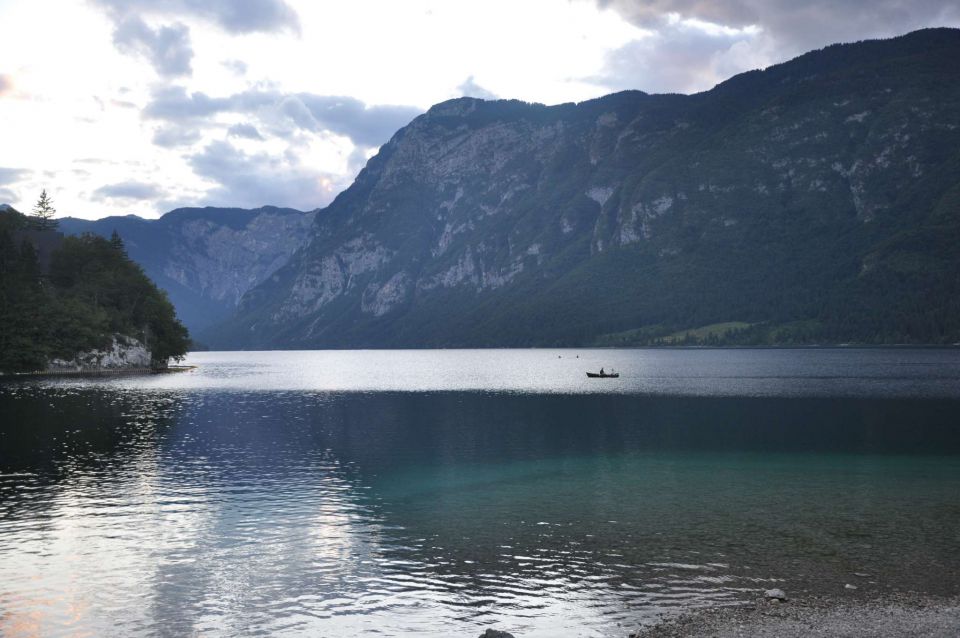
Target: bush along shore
{"points": [[79, 305]]}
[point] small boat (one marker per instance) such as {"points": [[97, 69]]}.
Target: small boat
{"points": [[603, 375]]}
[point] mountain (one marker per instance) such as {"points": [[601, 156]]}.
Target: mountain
{"points": [[206, 258], [816, 201]]}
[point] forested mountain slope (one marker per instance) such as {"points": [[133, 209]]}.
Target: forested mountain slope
{"points": [[817, 201], [206, 258]]}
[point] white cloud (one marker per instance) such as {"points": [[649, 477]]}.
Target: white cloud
{"points": [[248, 131], [470, 88], [692, 45], [285, 113], [127, 191], [305, 91], [684, 56], [234, 16], [255, 179], [167, 48]]}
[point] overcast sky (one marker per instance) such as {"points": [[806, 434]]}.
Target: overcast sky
{"points": [[140, 106]]}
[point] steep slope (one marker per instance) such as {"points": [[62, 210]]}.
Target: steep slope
{"points": [[206, 258], [816, 200]]}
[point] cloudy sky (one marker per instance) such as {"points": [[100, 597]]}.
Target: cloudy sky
{"points": [[140, 106]]}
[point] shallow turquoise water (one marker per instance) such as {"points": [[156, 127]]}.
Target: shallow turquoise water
{"points": [[441, 492]]}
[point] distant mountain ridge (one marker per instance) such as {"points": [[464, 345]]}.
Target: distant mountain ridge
{"points": [[817, 201], [206, 258], [813, 202]]}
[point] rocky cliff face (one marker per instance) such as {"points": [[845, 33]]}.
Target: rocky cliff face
{"points": [[124, 353], [823, 191], [207, 258]]}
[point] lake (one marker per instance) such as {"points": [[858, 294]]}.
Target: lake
{"points": [[438, 493]]}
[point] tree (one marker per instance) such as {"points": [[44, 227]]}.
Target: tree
{"points": [[93, 293], [23, 306], [44, 211], [116, 242]]}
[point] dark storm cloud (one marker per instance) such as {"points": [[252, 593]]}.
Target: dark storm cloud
{"points": [[365, 125], [470, 88], [696, 43], [233, 16], [127, 190], [167, 48], [260, 178]]}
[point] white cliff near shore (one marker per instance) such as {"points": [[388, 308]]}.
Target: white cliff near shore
{"points": [[124, 353]]}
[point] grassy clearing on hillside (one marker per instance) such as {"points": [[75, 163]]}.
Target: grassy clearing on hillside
{"points": [[704, 333], [661, 335]]}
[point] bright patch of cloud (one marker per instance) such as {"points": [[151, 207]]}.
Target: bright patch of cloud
{"points": [[470, 88], [684, 56]]}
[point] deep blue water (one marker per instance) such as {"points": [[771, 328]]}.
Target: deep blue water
{"points": [[438, 493]]}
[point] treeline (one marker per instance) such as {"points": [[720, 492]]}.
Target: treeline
{"points": [[89, 292]]}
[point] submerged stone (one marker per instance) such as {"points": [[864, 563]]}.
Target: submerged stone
{"points": [[775, 594]]}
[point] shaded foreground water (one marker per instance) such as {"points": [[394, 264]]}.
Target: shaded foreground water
{"points": [[438, 493]]}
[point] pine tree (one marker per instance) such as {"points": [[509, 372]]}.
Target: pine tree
{"points": [[43, 213], [116, 242]]}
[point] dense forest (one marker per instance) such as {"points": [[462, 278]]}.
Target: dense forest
{"points": [[88, 292]]}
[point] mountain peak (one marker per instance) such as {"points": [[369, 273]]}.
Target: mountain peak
{"points": [[457, 107], [793, 199]]}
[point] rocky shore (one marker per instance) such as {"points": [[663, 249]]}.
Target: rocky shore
{"points": [[124, 353], [894, 615]]}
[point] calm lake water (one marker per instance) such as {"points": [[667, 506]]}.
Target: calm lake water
{"points": [[438, 493]]}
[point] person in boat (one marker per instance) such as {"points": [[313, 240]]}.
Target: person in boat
{"points": [[601, 370]]}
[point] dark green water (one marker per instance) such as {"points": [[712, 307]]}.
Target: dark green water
{"points": [[256, 498]]}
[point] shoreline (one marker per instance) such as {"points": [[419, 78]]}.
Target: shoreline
{"points": [[841, 346], [889, 615], [96, 372]]}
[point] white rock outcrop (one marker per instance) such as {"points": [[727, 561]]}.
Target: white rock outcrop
{"points": [[123, 353]]}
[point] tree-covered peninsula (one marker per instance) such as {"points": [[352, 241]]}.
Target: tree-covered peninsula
{"points": [[60, 297]]}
